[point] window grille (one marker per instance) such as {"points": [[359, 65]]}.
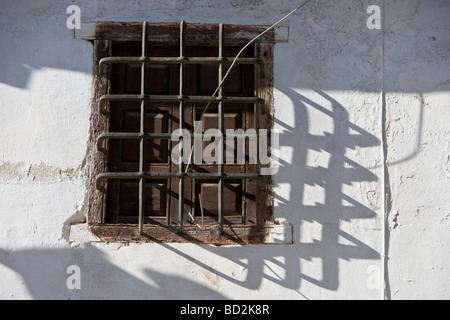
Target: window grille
{"points": [[182, 99]]}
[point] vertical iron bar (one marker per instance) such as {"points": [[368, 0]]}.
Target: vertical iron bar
{"points": [[181, 115], [142, 130], [221, 129]]}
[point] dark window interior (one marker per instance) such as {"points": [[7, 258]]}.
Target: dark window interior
{"points": [[161, 196]]}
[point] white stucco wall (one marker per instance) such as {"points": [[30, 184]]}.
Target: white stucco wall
{"points": [[364, 115]]}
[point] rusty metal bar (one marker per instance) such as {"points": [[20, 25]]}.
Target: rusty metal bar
{"points": [[129, 136], [166, 136], [179, 60], [172, 98], [220, 166], [181, 118], [142, 127], [171, 175]]}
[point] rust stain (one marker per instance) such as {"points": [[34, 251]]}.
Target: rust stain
{"points": [[154, 234], [212, 277]]}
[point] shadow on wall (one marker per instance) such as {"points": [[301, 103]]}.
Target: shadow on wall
{"points": [[107, 278], [43, 271], [44, 274], [36, 38], [282, 265]]}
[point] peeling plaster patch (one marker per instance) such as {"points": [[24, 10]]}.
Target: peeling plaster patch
{"points": [[372, 196], [446, 161], [12, 171], [395, 224], [43, 172], [39, 173]]}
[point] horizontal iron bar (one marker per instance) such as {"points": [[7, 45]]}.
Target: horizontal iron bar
{"points": [[129, 136], [178, 60], [171, 175], [172, 98], [166, 136]]}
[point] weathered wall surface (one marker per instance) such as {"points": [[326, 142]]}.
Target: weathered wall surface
{"points": [[417, 77], [364, 121]]}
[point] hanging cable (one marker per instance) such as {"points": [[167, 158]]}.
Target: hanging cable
{"points": [[237, 57]]}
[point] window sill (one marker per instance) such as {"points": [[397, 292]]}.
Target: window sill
{"points": [[277, 233]]}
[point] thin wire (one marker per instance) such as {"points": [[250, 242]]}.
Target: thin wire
{"points": [[237, 57], [253, 40]]}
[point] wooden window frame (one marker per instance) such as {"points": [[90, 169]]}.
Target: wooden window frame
{"points": [[196, 34]]}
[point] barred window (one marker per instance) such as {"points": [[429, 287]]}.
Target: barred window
{"points": [[151, 80]]}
